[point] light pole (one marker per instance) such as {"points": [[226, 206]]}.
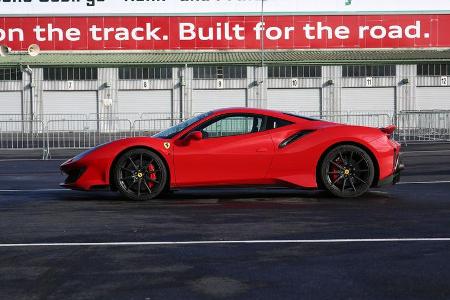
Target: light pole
{"points": [[263, 33], [262, 73]]}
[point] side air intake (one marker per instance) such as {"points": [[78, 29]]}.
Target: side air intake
{"points": [[294, 138]]}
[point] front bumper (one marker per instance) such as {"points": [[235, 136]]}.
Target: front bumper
{"points": [[73, 172], [85, 174]]}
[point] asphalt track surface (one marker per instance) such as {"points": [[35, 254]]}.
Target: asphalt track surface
{"points": [[226, 244]]}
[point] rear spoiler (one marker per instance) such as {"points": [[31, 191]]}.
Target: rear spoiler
{"points": [[389, 130]]}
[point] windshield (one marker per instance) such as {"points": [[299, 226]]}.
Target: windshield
{"points": [[172, 131]]}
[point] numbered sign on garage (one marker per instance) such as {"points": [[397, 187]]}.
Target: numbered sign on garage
{"points": [[70, 86], [145, 84], [220, 83]]}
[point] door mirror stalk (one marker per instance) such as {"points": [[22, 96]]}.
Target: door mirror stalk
{"points": [[195, 135], [192, 136]]}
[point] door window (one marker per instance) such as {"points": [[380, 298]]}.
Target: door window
{"points": [[233, 125]]}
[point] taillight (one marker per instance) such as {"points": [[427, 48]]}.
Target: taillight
{"points": [[396, 159]]}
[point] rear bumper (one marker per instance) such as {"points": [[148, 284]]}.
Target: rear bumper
{"points": [[394, 178]]}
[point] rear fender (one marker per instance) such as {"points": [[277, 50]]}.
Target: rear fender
{"points": [[297, 163]]}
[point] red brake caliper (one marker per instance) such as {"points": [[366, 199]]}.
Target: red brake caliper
{"points": [[334, 170], [152, 175]]}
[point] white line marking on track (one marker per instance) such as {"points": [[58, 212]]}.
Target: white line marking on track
{"points": [[425, 182], [325, 241]]}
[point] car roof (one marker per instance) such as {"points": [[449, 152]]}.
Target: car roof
{"points": [[258, 111]]}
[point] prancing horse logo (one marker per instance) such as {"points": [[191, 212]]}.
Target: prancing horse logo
{"points": [[167, 146]]}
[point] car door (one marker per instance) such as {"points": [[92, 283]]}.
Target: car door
{"points": [[234, 149]]}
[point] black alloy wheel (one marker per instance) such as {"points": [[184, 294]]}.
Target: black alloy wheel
{"points": [[140, 174], [347, 171]]}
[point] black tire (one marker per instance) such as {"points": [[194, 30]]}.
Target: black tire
{"points": [[140, 174], [347, 171]]}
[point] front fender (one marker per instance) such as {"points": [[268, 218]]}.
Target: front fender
{"points": [[97, 162]]}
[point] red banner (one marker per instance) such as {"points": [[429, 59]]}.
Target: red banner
{"points": [[239, 32]]}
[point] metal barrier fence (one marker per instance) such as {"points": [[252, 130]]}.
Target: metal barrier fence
{"points": [[78, 131], [423, 126], [160, 115], [370, 120], [11, 117], [152, 126], [23, 135], [83, 134], [52, 117]]}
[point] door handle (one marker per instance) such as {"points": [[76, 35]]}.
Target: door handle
{"points": [[261, 150]]}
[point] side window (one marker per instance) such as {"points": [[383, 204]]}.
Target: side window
{"points": [[233, 125], [273, 123]]}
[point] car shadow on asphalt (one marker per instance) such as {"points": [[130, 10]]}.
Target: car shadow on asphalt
{"points": [[234, 197]]}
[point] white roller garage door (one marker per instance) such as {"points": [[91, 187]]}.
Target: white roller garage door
{"points": [[206, 100], [428, 98], [294, 100], [10, 103], [374, 100], [154, 101], [70, 102]]}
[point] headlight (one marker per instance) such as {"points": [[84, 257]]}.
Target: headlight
{"points": [[85, 153]]}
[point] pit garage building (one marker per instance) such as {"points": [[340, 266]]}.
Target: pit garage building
{"points": [[185, 83]]}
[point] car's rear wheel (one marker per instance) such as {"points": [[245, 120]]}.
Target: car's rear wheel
{"points": [[140, 174], [347, 171]]}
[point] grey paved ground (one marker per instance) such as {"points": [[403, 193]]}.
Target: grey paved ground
{"points": [[379, 270]]}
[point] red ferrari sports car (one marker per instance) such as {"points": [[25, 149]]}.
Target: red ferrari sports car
{"points": [[242, 147]]}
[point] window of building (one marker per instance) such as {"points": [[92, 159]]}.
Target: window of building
{"points": [[133, 73], [433, 69], [10, 74], [71, 73], [369, 71], [294, 71], [215, 72]]}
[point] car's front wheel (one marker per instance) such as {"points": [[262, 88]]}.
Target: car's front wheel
{"points": [[140, 174], [347, 171]]}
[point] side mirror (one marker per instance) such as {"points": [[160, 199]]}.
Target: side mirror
{"points": [[194, 136]]}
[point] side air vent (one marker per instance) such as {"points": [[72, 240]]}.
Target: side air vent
{"points": [[294, 138]]}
